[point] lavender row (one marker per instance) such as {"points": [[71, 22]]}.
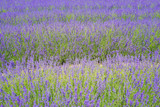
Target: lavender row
{"points": [[76, 40], [85, 12], [119, 81]]}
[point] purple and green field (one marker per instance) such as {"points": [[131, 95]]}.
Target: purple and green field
{"points": [[79, 53]]}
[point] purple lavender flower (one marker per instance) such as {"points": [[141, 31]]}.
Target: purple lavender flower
{"points": [[98, 103], [127, 100], [136, 95], [0, 55], [87, 103], [35, 105], [12, 64], [142, 96], [127, 93], [154, 99], [137, 103]]}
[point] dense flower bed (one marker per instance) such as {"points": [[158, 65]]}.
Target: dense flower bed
{"points": [[79, 53]]}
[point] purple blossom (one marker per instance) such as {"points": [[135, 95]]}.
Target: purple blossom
{"points": [[127, 93], [98, 103], [137, 103], [12, 64], [131, 103], [87, 103]]}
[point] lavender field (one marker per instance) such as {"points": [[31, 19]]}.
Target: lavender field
{"points": [[79, 53]]}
